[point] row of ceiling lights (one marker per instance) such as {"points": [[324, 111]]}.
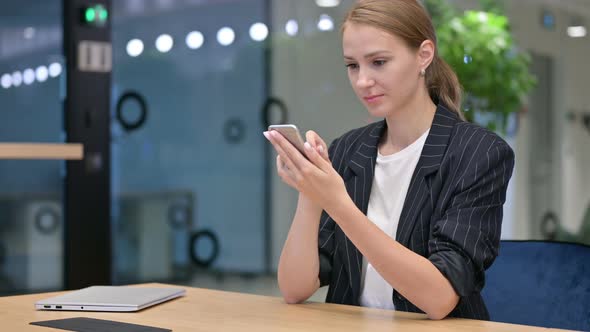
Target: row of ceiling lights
{"points": [[30, 75], [164, 43], [225, 36]]}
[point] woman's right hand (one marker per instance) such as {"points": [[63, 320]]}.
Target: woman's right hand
{"points": [[299, 264], [317, 143]]}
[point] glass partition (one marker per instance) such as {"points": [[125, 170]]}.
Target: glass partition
{"points": [[31, 209], [188, 181]]}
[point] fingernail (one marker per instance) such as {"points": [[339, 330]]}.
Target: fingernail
{"points": [[307, 146], [274, 133], [266, 135], [321, 149]]}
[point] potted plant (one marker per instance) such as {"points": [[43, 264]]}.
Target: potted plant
{"points": [[479, 46]]}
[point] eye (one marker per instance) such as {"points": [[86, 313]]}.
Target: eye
{"points": [[379, 63], [351, 66]]}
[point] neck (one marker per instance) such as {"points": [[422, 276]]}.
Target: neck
{"points": [[406, 124]]}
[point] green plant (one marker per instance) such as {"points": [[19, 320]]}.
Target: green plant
{"points": [[479, 46]]}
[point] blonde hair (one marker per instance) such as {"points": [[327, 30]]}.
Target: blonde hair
{"points": [[408, 20]]}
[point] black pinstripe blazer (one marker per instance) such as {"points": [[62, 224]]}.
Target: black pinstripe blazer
{"points": [[452, 213]]}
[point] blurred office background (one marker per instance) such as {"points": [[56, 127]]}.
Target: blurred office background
{"points": [[194, 196]]}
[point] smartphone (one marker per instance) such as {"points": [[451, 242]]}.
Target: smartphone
{"points": [[292, 134]]}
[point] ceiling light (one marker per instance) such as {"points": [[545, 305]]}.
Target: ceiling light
{"points": [[194, 40], [41, 73], [226, 36], [17, 78], [29, 33], [325, 23], [292, 27], [327, 3], [54, 69], [28, 76], [164, 43], [577, 31], [258, 32], [134, 47], [6, 81]]}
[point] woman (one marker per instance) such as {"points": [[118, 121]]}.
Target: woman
{"points": [[406, 212]]}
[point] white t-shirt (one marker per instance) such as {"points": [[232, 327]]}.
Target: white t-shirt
{"points": [[393, 174]]}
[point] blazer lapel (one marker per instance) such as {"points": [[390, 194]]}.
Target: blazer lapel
{"points": [[362, 165], [429, 163]]}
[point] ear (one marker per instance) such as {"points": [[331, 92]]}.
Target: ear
{"points": [[426, 54]]}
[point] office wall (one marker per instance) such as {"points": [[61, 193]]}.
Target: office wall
{"points": [[571, 149]]}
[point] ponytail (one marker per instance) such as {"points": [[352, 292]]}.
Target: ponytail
{"points": [[443, 85]]}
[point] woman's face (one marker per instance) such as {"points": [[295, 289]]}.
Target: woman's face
{"points": [[383, 71]]}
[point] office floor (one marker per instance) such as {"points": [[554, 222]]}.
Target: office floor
{"points": [[252, 284]]}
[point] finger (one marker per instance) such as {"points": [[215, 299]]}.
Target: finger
{"points": [[290, 153], [310, 136], [280, 163], [323, 152], [314, 139], [285, 157], [272, 140], [284, 173], [283, 167], [318, 143], [314, 156]]}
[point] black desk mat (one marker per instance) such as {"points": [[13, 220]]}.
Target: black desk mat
{"points": [[84, 324]]}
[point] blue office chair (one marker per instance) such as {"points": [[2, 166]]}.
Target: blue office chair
{"points": [[540, 283]]}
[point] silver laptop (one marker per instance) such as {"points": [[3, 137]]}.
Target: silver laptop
{"points": [[110, 298]]}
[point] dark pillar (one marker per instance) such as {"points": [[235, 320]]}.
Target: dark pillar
{"points": [[87, 51]]}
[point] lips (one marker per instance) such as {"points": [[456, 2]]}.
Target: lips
{"points": [[372, 98]]}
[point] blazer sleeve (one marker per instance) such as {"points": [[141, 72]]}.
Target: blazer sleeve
{"points": [[326, 233], [326, 248], [464, 241]]}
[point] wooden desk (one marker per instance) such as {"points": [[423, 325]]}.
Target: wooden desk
{"points": [[41, 151], [211, 310]]}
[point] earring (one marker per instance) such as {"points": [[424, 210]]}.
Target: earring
{"points": [[423, 72]]}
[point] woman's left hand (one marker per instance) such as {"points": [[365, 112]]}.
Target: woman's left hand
{"points": [[314, 177]]}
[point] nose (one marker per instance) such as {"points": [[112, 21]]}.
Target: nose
{"points": [[364, 80]]}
